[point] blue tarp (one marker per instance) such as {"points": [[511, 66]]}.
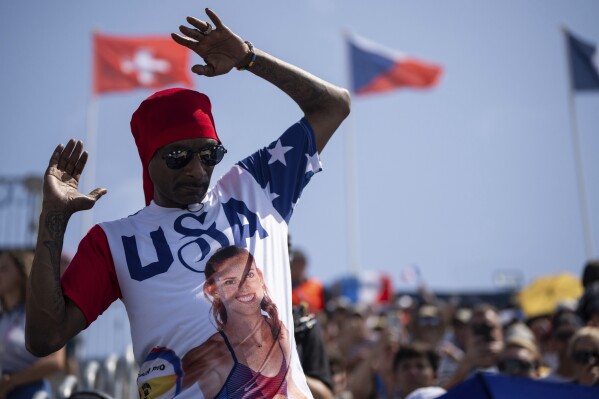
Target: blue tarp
{"points": [[495, 386]]}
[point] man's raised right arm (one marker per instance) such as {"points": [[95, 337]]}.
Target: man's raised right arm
{"points": [[52, 319]]}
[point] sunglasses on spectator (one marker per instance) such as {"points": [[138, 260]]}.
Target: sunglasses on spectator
{"points": [[180, 157], [564, 335], [586, 357], [481, 329], [516, 366]]}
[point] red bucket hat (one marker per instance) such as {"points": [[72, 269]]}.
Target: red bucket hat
{"points": [[167, 116]]}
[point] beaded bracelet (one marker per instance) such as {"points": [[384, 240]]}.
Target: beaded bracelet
{"points": [[253, 57]]}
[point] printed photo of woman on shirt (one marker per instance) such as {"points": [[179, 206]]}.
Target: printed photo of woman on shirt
{"points": [[249, 356]]}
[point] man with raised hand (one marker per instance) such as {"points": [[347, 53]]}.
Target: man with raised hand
{"points": [[154, 260]]}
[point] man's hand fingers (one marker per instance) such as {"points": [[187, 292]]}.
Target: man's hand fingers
{"points": [[204, 70], [97, 193], [74, 158], [80, 166], [83, 202], [214, 18], [199, 24], [184, 41], [195, 34], [65, 155], [55, 156]]}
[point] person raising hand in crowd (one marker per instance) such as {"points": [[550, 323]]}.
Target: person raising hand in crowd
{"points": [[155, 260]]}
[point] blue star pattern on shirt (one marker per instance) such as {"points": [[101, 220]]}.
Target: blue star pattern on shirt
{"points": [[285, 167]]}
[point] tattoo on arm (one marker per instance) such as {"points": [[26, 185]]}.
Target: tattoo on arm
{"points": [[307, 90], [55, 223]]}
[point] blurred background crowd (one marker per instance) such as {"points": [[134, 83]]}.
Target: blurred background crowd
{"points": [[422, 344], [390, 345]]}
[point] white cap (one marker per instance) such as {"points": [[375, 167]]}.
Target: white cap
{"points": [[426, 393]]}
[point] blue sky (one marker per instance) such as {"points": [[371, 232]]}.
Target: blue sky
{"points": [[472, 178]]}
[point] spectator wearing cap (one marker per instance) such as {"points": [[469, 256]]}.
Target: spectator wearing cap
{"points": [[453, 347], [339, 376], [428, 326], [336, 315], [426, 393], [485, 344], [584, 350], [363, 348], [414, 367], [354, 338], [520, 356], [540, 325], [564, 325], [367, 345]]}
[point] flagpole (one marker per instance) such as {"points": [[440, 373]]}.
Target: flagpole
{"points": [[89, 179], [582, 193], [351, 184], [91, 130], [351, 187]]}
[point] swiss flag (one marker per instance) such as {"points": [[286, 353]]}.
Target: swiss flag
{"points": [[126, 63]]}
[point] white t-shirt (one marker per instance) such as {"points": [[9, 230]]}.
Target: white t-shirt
{"points": [[155, 260]]}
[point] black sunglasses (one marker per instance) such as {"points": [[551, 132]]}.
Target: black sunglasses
{"points": [[564, 335], [515, 366], [586, 357], [482, 329], [210, 156]]}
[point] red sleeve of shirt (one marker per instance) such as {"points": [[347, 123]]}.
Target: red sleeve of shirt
{"points": [[90, 280]]}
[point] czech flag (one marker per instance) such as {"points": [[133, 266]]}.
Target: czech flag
{"points": [[376, 69], [584, 63]]}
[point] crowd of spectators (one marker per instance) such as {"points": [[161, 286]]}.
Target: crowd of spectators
{"points": [[419, 347]]}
